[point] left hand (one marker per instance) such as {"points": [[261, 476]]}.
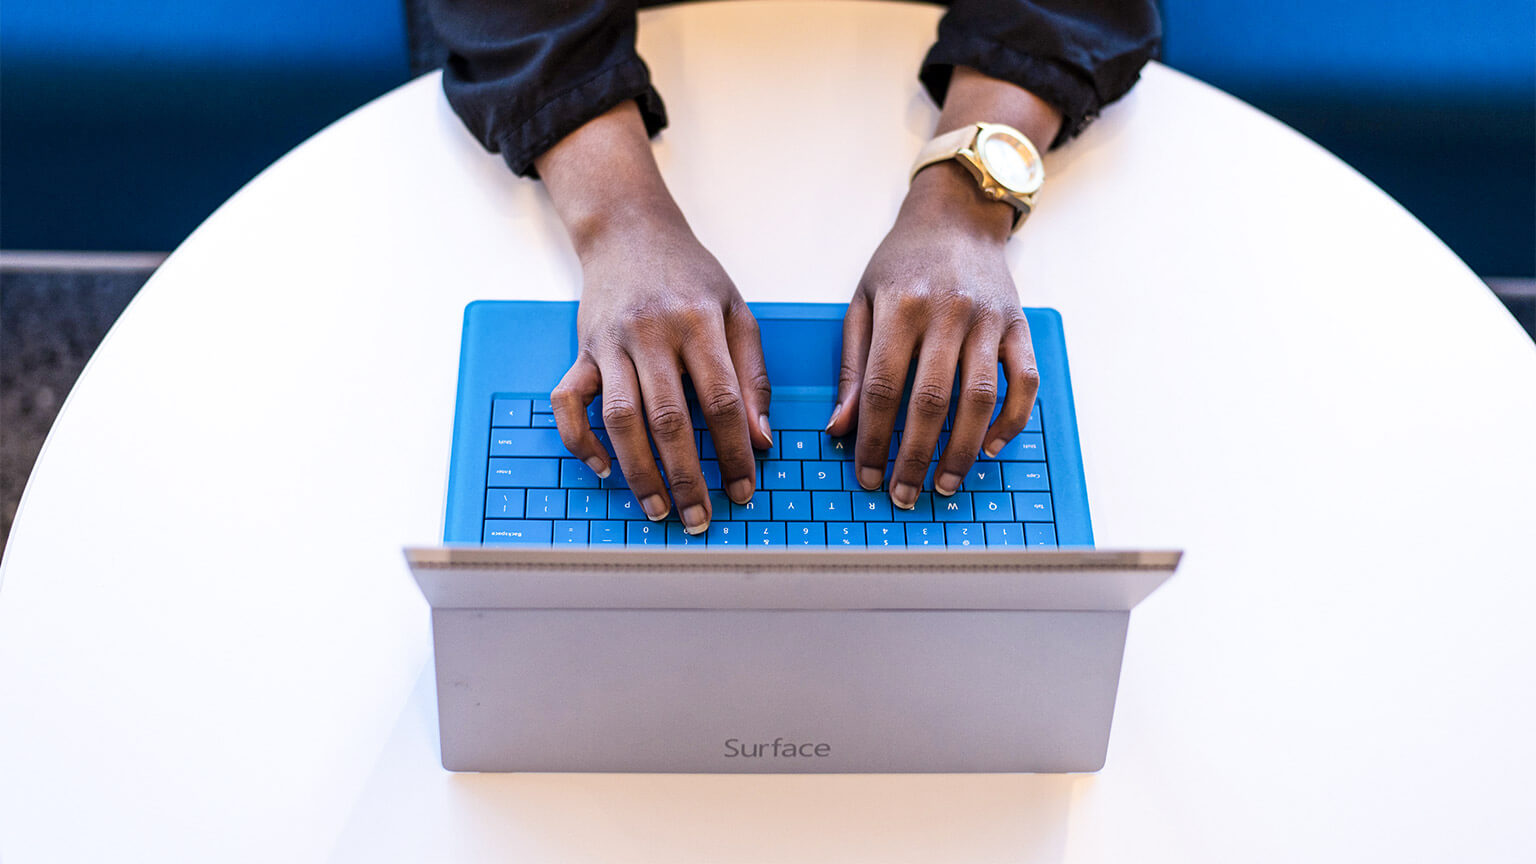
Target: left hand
{"points": [[938, 290]]}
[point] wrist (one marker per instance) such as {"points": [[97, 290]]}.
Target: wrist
{"points": [[944, 196], [625, 217]]}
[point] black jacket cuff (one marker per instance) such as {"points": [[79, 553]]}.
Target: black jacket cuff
{"points": [[560, 115], [1077, 93]]}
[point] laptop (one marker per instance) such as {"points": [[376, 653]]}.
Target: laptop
{"points": [[815, 629]]}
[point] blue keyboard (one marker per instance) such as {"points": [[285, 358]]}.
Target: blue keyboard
{"points": [[537, 494]]}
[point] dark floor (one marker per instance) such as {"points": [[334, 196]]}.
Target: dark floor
{"points": [[51, 321]]}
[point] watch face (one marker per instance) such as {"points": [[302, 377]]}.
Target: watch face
{"points": [[1011, 160]]}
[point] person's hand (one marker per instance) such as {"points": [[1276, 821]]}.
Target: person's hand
{"points": [[937, 290], [655, 306]]}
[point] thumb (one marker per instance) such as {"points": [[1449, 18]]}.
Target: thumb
{"points": [[746, 347], [857, 332]]}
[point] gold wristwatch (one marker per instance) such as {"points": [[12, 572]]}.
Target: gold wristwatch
{"points": [[1006, 164]]}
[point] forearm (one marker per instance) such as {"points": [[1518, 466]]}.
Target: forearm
{"points": [[946, 191], [604, 176]]}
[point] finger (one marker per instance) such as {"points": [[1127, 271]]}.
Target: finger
{"points": [[746, 349], [625, 422], [570, 398], [725, 412], [856, 334], [931, 389], [1018, 356], [973, 408], [885, 376], [666, 412]]}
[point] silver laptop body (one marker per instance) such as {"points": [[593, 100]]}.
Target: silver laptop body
{"points": [[776, 660]]}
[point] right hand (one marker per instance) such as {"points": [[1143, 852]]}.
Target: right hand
{"points": [[655, 306]]}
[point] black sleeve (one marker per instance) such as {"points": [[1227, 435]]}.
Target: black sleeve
{"points": [[1077, 55], [522, 74]]}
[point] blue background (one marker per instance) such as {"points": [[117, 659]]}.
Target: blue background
{"points": [[123, 123]]}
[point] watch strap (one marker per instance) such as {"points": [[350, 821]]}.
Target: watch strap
{"points": [[946, 146]]}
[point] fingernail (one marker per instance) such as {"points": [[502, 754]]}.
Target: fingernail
{"points": [[994, 447], [870, 478], [836, 409], [695, 520], [762, 423], [598, 467], [740, 490], [947, 483], [904, 495], [655, 507]]}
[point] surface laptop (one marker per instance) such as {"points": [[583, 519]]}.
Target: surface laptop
{"points": [[813, 629]]}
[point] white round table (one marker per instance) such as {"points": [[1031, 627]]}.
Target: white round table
{"points": [[210, 649]]}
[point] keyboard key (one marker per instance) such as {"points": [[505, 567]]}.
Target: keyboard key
{"points": [[955, 508], [1025, 477], [922, 511], [676, 536], [544, 421], [524, 532], [571, 533], [622, 505], [645, 534], [984, 476], [503, 504], [1005, 534], [527, 442], [524, 473], [615, 478], [871, 506], [546, 504], [836, 448], [1034, 419], [822, 475], [963, 534], [845, 534], [543, 406], [726, 534], [806, 534], [1039, 534], [797, 444], [1025, 447], [884, 534], [574, 474], [765, 533], [781, 475], [758, 508], [993, 506], [510, 412], [925, 534], [1032, 506], [586, 504], [831, 506], [607, 533], [850, 476], [791, 506], [711, 470]]}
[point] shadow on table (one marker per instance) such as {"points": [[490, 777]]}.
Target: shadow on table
{"points": [[411, 809]]}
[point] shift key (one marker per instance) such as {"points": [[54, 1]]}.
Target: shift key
{"points": [[540, 441]]}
